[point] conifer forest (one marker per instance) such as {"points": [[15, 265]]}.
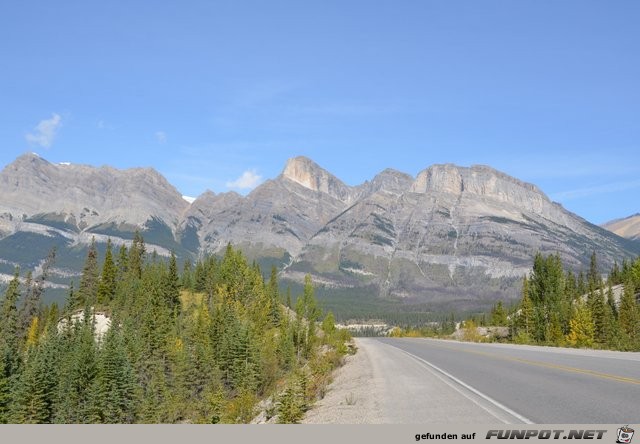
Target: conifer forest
{"points": [[141, 339]]}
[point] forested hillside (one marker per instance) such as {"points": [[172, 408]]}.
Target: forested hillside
{"points": [[204, 345], [561, 308]]}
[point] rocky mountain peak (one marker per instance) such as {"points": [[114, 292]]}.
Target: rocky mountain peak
{"points": [[628, 227], [439, 178], [482, 181], [89, 195], [307, 173], [392, 181]]}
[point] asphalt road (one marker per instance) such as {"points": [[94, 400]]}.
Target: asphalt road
{"points": [[424, 380]]}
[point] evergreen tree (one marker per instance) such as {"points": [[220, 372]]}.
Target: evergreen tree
{"points": [[107, 285], [525, 318], [498, 315], [614, 276], [88, 289], [273, 297], [137, 254], [307, 313], [34, 392], [113, 394], [611, 302], [593, 278], [172, 285], [9, 324], [77, 374], [187, 276], [628, 314], [122, 263], [598, 314], [9, 359]]}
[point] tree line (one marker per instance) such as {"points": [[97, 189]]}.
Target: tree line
{"points": [[199, 345], [558, 307]]}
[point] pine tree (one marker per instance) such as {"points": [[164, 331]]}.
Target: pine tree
{"points": [[593, 277], [628, 314], [137, 253], [9, 323], [122, 263], [88, 289], [172, 285], [187, 276], [77, 374], [598, 314], [307, 313], [498, 315], [107, 286], [113, 393], [329, 325], [34, 392], [525, 318], [611, 302], [9, 358], [273, 297]]}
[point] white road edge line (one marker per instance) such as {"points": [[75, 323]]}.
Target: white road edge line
{"points": [[487, 398]]}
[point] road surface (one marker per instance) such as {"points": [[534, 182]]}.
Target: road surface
{"points": [[416, 380]]}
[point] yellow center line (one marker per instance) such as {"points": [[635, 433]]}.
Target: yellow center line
{"points": [[548, 365]]}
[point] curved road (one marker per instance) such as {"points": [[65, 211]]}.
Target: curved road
{"points": [[427, 380]]}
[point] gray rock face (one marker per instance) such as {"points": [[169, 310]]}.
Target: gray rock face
{"points": [[453, 232], [628, 227], [84, 196], [450, 235]]}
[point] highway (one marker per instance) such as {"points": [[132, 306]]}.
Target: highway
{"points": [[419, 380]]}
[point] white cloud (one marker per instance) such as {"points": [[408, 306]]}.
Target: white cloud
{"points": [[45, 131], [161, 136], [249, 179]]}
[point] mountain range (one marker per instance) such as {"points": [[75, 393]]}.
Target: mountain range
{"points": [[450, 237], [628, 227]]}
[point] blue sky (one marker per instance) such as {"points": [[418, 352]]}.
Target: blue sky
{"points": [[217, 95]]}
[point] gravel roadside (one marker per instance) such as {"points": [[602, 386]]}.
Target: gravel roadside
{"points": [[352, 397]]}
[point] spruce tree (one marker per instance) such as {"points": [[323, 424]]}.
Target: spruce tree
{"points": [[498, 315], [107, 286], [598, 314], [172, 285], [9, 324], [593, 277], [122, 263], [113, 391], [9, 358], [273, 297], [629, 315], [137, 254], [88, 289], [525, 318]]}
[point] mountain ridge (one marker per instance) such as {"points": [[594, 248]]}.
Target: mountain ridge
{"points": [[450, 233], [627, 227]]}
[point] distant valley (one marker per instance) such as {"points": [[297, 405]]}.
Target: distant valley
{"points": [[451, 238]]}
